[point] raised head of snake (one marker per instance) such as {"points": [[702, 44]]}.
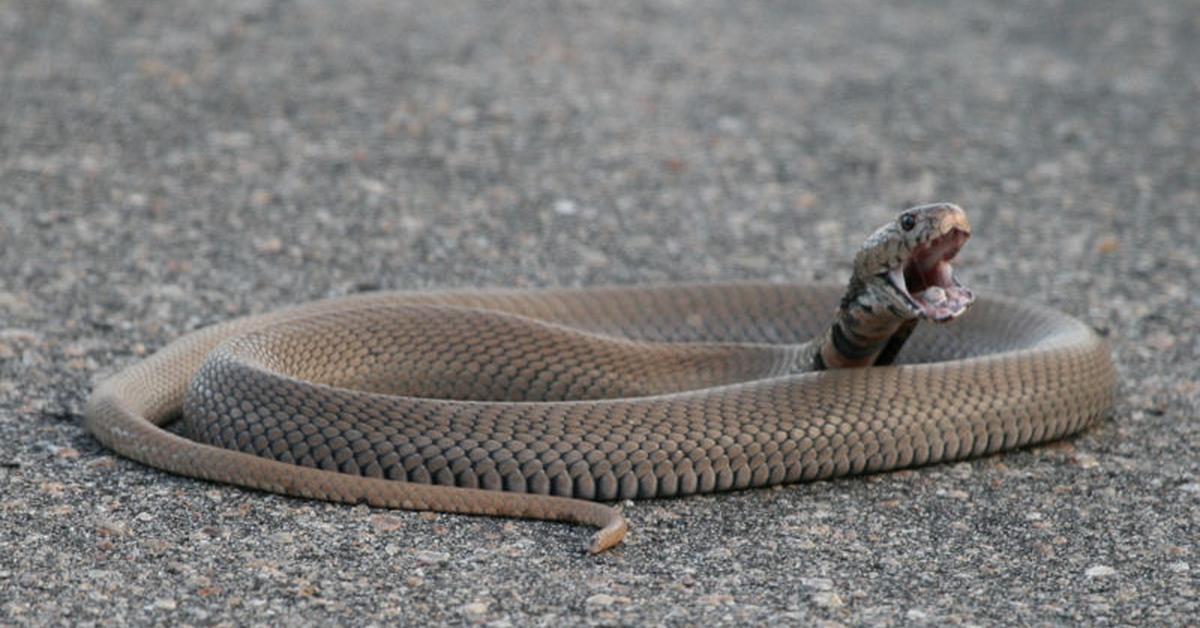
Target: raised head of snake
{"points": [[902, 274]]}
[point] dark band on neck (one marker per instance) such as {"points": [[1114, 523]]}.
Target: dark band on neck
{"points": [[846, 347], [895, 343]]}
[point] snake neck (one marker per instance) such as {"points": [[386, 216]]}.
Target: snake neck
{"points": [[865, 332]]}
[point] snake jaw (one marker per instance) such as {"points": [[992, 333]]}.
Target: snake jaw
{"points": [[926, 281]]}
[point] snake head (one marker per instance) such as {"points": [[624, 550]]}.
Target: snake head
{"points": [[905, 265]]}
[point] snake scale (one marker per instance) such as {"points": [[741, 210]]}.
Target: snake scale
{"points": [[541, 404]]}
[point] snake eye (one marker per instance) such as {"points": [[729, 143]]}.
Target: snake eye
{"points": [[907, 222]]}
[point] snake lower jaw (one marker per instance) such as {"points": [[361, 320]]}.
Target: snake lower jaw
{"points": [[944, 303], [949, 307], [940, 302]]}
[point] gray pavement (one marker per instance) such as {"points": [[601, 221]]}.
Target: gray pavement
{"points": [[168, 165]]}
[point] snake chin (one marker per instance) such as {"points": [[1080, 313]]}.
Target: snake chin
{"points": [[927, 280]]}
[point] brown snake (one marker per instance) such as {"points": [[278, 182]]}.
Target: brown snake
{"points": [[533, 403]]}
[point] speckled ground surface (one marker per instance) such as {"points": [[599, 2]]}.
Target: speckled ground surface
{"points": [[165, 166]]}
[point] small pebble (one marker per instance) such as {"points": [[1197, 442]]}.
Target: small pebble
{"points": [[604, 599], [1099, 571], [431, 558], [386, 523], [112, 528], [828, 599], [270, 246], [565, 207]]}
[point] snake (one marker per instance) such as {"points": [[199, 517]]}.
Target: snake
{"points": [[554, 403]]}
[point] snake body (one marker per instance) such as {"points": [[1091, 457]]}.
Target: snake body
{"points": [[537, 403]]}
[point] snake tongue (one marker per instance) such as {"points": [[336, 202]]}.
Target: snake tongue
{"points": [[927, 278]]}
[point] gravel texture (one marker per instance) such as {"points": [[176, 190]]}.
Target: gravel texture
{"points": [[168, 165]]}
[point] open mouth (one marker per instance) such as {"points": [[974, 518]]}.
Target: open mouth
{"points": [[927, 278]]}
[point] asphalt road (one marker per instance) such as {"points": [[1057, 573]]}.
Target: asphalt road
{"points": [[168, 165]]}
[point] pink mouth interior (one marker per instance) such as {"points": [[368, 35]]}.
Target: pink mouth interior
{"points": [[928, 278]]}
